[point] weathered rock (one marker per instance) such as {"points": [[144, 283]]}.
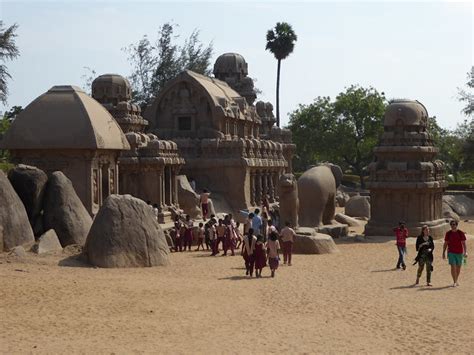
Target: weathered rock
{"points": [[289, 204], [18, 251], [448, 212], [188, 199], [13, 217], [358, 206], [125, 233], [29, 183], [307, 241], [64, 211], [48, 242], [341, 198], [342, 218], [334, 230], [461, 204]]}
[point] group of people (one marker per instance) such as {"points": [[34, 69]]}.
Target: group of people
{"points": [[454, 244], [259, 241]]}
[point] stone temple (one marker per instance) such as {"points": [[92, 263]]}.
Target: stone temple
{"points": [[229, 144], [406, 181], [65, 129], [149, 169]]}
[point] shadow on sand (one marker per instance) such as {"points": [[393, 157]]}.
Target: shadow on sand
{"points": [[243, 277], [429, 288], [75, 261], [386, 270]]}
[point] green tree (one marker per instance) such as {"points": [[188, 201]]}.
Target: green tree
{"points": [[466, 95], [8, 51], [343, 131], [5, 123], [281, 42], [153, 65]]}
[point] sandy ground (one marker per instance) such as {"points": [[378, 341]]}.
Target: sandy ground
{"points": [[350, 302]]}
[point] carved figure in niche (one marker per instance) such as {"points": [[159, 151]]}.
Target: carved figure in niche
{"points": [[95, 186], [316, 192], [289, 203], [112, 181]]}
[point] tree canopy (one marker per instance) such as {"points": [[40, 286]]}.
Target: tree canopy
{"points": [[343, 131], [8, 51], [154, 64], [466, 95]]}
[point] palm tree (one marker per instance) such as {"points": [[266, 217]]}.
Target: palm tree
{"points": [[281, 42], [8, 51]]}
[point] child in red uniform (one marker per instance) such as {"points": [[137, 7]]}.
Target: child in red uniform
{"points": [[401, 234], [248, 248], [455, 242], [200, 238], [260, 257]]}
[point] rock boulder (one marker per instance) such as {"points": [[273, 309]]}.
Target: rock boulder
{"points": [[64, 211], [342, 218], [29, 183], [358, 206], [307, 241], [461, 204], [48, 242], [125, 233], [13, 217]]}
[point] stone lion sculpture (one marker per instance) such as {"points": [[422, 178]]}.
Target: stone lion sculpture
{"points": [[288, 193], [316, 193]]}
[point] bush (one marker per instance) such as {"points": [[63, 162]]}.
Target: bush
{"points": [[6, 167]]}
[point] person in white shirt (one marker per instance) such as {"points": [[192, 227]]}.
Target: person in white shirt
{"points": [[273, 245], [287, 237]]}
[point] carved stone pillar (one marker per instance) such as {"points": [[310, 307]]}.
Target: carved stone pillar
{"points": [[264, 184], [252, 188], [160, 190], [276, 177], [258, 188], [271, 187], [175, 187]]}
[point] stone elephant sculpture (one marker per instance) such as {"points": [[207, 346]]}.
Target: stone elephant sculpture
{"points": [[288, 195], [316, 193]]}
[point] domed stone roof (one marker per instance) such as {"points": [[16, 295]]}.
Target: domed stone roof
{"points": [[65, 118], [230, 63], [406, 113], [111, 86]]}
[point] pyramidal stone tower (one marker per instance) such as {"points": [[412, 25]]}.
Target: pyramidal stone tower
{"points": [[406, 181]]}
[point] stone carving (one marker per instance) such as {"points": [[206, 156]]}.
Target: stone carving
{"points": [[188, 199], [125, 233], [289, 204], [16, 229], [461, 204], [317, 191], [406, 182], [64, 211]]}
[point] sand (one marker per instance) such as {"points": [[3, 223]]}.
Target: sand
{"points": [[350, 302]]}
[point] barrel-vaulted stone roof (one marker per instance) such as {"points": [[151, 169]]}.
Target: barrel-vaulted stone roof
{"points": [[65, 117]]}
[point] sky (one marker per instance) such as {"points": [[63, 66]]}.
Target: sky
{"points": [[416, 50]]}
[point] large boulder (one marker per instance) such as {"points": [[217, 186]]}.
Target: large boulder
{"points": [[13, 218], [307, 241], [125, 233], [188, 199], [342, 218], [448, 212], [29, 183], [48, 242], [461, 204], [341, 198], [358, 206], [64, 211]]}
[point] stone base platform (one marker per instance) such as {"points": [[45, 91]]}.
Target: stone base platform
{"points": [[438, 228], [308, 241], [334, 230]]}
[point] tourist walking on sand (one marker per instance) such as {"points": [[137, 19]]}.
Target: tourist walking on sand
{"points": [[287, 237], [424, 247], [401, 233], [188, 233], [455, 242], [238, 236], [200, 238], [248, 248], [213, 237], [273, 245], [220, 229], [260, 257], [178, 241], [204, 200], [256, 222]]}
